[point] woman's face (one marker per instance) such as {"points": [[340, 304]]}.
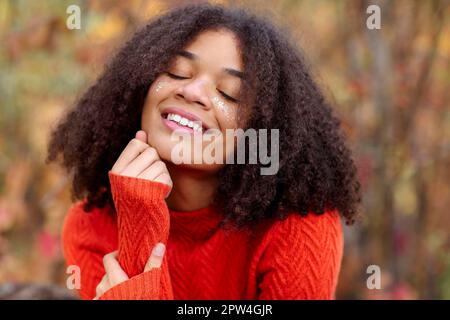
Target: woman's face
{"points": [[197, 95]]}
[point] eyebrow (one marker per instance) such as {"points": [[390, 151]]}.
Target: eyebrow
{"points": [[230, 71]]}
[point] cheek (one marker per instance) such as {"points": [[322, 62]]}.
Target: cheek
{"points": [[227, 116], [157, 92], [226, 113], [159, 85], [150, 118]]}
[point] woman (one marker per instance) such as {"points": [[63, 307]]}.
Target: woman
{"points": [[148, 227]]}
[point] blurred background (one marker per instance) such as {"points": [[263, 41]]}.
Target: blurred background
{"points": [[391, 88]]}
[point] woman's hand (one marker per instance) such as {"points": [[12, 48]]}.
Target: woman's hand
{"points": [[140, 160], [115, 274]]}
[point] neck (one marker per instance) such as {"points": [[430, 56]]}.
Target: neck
{"points": [[192, 189]]}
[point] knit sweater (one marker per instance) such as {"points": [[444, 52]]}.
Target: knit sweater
{"points": [[295, 258]]}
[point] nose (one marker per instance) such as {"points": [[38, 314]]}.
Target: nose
{"points": [[195, 92]]}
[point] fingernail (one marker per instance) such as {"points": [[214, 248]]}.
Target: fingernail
{"points": [[159, 249]]}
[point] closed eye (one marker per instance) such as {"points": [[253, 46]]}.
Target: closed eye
{"points": [[177, 77], [174, 76], [228, 97]]}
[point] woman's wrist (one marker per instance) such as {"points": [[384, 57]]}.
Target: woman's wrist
{"points": [[137, 189]]}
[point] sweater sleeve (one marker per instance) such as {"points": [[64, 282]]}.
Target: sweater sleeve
{"points": [[142, 221], [302, 259], [142, 217]]}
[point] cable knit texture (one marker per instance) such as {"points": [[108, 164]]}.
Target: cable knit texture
{"points": [[295, 258]]}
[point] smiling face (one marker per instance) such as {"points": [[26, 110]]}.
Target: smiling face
{"points": [[199, 91]]}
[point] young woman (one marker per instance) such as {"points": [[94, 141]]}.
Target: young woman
{"points": [[147, 227]]}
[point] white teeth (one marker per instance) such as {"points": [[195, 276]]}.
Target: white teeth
{"points": [[184, 122]]}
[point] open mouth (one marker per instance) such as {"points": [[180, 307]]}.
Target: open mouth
{"points": [[178, 118], [177, 122]]}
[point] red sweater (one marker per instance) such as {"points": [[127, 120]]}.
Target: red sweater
{"points": [[295, 258]]}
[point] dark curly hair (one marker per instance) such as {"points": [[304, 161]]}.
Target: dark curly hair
{"points": [[316, 171]]}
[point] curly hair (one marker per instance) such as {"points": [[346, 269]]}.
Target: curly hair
{"points": [[316, 171]]}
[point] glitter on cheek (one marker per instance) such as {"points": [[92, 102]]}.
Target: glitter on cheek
{"points": [[218, 103], [224, 108], [160, 85]]}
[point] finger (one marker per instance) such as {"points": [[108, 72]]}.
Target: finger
{"points": [[141, 135], [113, 269], [142, 162], [156, 257], [131, 151], [164, 178], [153, 171], [102, 287]]}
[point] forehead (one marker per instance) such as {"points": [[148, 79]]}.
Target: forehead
{"points": [[217, 47]]}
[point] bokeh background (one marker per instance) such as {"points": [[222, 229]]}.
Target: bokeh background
{"points": [[391, 88]]}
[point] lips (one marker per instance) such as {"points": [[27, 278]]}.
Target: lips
{"points": [[182, 124]]}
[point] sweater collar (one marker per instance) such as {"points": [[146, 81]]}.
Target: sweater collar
{"points": [[197, 225]]}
